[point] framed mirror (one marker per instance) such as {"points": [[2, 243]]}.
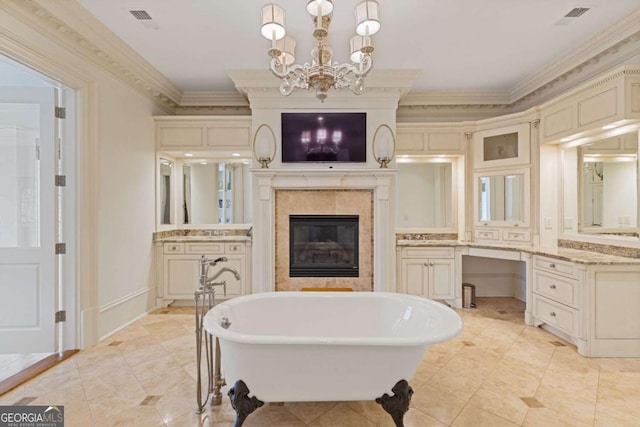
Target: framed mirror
{"points": [[607, 175], [433, 207], [215, 192], [502, 197], [165, 193]]}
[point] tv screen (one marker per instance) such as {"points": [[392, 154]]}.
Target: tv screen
{"points": [[324, 137]]}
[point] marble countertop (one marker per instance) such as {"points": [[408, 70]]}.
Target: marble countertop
{"points": [[204, 239], [566, 254]]}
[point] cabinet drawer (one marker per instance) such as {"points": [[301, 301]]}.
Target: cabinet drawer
{"points": [[556, 266], [556, 287], [413, 252], [516, 235], [555, 314], [201, 248], [486, 234], [174, 248], [234, 248]]}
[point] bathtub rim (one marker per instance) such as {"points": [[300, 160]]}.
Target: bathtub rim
{"points": [[212, 322]]}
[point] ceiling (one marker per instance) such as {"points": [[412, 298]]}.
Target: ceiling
{"points": [[458, 45]]}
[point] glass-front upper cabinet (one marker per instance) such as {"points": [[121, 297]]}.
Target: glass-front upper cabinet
{"points": [[501, 147]]}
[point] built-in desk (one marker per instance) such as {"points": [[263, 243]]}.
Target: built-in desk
{"points": [[589, 299]]}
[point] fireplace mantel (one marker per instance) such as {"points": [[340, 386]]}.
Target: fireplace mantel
{"points": [[267, 181]]}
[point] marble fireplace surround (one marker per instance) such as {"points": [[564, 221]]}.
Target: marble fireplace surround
{"points": [[377, 274]]}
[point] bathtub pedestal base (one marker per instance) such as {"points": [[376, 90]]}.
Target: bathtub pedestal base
{"points": [[398, 404], [242, 403]]}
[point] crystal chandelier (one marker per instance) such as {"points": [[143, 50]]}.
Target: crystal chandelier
{"points": [[321, 74]]}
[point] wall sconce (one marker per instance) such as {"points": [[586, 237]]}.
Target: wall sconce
{"points": [[384, 145], [264, 146]]}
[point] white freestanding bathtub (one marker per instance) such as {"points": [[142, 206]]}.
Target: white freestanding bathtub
{"points": [[326, 346]]}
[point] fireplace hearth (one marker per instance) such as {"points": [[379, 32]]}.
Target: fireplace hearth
{"points": [[323, 246]]}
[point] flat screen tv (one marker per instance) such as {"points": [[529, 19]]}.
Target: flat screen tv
{"points": [[324, 137]]}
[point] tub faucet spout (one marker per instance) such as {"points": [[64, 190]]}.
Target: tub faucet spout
{"points": [[217, 274]]}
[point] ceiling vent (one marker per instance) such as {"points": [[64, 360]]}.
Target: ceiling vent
{"points": [[142, 15], [570, 17], [576, 12], [144, 18]]}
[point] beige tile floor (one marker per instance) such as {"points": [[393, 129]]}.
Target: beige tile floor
{"points": [[498, 372]]}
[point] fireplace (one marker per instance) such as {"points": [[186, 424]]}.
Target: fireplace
{"points": [[323, 246]]}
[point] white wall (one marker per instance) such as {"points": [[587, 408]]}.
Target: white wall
{"points": [[126, 203]]}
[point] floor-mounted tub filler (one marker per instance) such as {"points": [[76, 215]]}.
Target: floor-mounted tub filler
{"points": [[326, 346]]}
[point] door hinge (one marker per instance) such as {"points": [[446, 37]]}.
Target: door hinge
{"points": [[61, 248], [61, 180], [61, 316], [61, 113]]}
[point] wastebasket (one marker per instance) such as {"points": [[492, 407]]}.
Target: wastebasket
{"points": [[468, 295]]}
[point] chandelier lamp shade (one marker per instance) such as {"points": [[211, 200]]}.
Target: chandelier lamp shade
{"points": [[322, 73]]}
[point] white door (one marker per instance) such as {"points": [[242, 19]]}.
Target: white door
{"points": [[27, 220]]}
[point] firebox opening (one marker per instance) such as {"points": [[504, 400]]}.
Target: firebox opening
{"points": [[323, 246]]}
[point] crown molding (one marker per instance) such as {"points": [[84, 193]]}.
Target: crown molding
{"points": [[450, 113], [218, 99], [449, 98], [71, 25]]}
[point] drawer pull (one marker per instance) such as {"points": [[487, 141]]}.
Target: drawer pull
{"points": [[552, 265], [552, 286], [552, 314], [426, 265], [173, 248]]}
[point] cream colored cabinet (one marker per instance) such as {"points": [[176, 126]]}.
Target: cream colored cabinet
{"points": [[614, 324], [180, 268], [557, 292], [427, 272]]}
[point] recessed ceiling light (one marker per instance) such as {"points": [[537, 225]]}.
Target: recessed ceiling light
{"points": [[188, 154], [203, 163], [235, 154], [611, 126], [566, 139]]}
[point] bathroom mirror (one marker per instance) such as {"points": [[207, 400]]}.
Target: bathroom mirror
{"points": [[215, 192], [502, 197], [608, 186], [165, 213], [420, 182]]}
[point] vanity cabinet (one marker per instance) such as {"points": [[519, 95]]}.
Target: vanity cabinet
{"points": [[557, 295], [180, 268], [427, 272]]}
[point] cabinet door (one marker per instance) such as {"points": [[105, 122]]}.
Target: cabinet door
{"points": [[441, 272], [414, 277], [182, 276]]}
